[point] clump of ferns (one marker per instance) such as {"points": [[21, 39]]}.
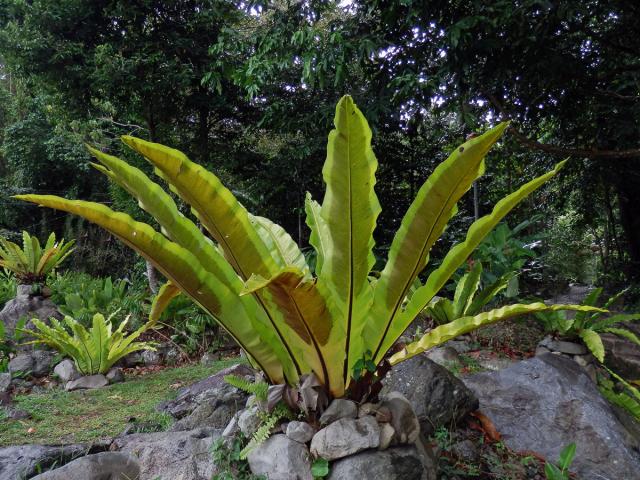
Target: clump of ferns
{"points": [[271, 409]]}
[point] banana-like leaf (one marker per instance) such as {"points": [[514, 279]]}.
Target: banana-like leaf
{"points": [[350, 209], [421, 226], [457, 256], [303, 309], [319, 238], [100, 334], [593, 342], [623, 400], [214, 205], [154, 200], [181, 230], [161, 301], [285, 251], [443, 333], [614, 298], [183, 269]]}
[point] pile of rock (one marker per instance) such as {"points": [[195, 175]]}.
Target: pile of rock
{"points": [[72, 380], [349, 435], [575, 351], [29, 303]]}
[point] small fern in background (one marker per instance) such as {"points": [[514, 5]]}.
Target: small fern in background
{"points": [[628, 398], [259, 389]]}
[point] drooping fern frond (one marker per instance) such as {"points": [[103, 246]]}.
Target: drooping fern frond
{"points": [[259, 389], [628, 399], [269, 421]]}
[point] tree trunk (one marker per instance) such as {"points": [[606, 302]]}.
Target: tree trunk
{"points": [[476, 201], [152, 278], [628, 201]]}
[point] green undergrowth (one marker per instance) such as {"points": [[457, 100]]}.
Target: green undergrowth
{"points": [[59, 417]]}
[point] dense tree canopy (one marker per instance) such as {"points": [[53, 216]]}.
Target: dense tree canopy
{"points": [[248, 88]]}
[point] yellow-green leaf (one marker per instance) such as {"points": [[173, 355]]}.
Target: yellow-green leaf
{"points": [[303, 311], [463, 325], [421, 226], [214, 205], [350, 209], [319, 237], [457, 256], [183, 269], [161, 301], [593, 342]]}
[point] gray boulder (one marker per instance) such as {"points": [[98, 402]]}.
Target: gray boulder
{"points": [[301, 432], [171, 455], [134, 359], [281, 459], [99, 466], [115, 375], [151, 358], [87, 382], [438, 398], [37, 362], [21, 364], [403, 419], [570, 348], [622, 356], [25, 461], [547, 402], [249, 421], [5, 381], [398, 463], [26, 305], [43, 361], [444, 356], [66, 371], [211, 402], [346, 437], [339, 408]]}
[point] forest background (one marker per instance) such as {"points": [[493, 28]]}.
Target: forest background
{"points": [[248, 89]]}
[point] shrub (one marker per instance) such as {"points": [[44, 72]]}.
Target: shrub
{"points": [[32, 263], [81, 296], [255, 281], [94, 350], [587, 326], [8, 288], [468, 299]]}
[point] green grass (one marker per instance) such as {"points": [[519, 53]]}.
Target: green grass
{"points": [[60, 417]]}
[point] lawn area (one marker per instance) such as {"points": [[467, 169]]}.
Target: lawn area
{"points": [[60, 417]]}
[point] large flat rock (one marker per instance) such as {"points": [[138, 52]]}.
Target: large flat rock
{"points": [[436, 395], [547, 402], [25, 461], [171, 455]]}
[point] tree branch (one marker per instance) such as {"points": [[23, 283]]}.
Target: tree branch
{"points": [[558, 150]]}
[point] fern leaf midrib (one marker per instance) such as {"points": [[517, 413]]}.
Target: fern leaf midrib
{"points": [[226, 248], [314, 340], [416, 269], [351, 265]]}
